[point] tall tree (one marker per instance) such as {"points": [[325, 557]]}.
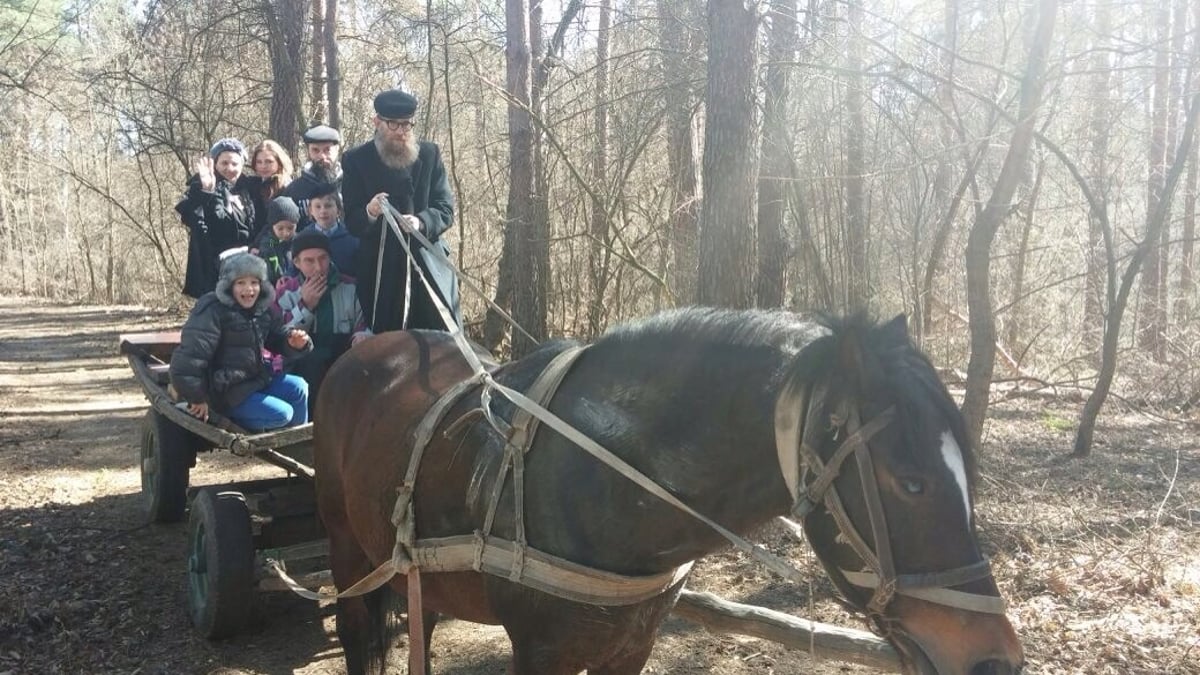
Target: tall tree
{"points": [[519, 214], [285, 32], [333, 69], [1118, 298], [773, 250], [726, 274], [1152, 330], [316, 55], [857, 278], [599, 248], [1099, 125], [979, 242], [676, 30]]}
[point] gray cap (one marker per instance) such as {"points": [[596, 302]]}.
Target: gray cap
{"points": [[323, 134]]}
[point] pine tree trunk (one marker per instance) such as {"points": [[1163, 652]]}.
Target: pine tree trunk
{"points": [[858, 281], [773, 250], [599, 249], [333, 71], [1152, 329], [285, 24], [726, 274], [678, 17], [1099, 126]]}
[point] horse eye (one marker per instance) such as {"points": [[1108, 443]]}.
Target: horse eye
{"points": [[912, 486]]}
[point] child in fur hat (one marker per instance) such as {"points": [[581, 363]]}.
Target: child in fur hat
{"points": [[219, 363]]}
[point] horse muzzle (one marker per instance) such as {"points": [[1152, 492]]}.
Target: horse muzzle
{"points": [[938, 640]]}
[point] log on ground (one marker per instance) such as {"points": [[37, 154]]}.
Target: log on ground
{"points": [[821, 640]]}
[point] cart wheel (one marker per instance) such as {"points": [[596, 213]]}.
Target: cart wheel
{"points": [[167, 455], [220, 564]]}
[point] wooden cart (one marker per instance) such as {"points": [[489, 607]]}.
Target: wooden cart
{"points": [[234, 528]]}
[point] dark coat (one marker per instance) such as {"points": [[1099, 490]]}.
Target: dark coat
{"points": [[261, 195], [214, 224], [421, 190], [219, 360]]}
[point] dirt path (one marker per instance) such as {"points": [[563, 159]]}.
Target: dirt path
{"points": [[86, 587], [1099, 560]]}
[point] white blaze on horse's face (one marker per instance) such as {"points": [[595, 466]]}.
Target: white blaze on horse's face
{"points": [[953, 457]]}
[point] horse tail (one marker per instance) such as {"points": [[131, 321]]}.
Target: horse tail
{"points": [[384, 606]]}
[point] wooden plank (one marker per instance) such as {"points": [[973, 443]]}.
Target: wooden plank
{"points": [[157, 345], [821, 640]]}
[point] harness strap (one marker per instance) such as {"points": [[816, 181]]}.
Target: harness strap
{"points": [[879, 529], [544, 572], [972, 602], [828, 472]]}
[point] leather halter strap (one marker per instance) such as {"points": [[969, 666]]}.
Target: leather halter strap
{"points": [[880, 575]]}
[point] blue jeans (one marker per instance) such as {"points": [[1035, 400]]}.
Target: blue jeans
{"points": [[282, 403]]}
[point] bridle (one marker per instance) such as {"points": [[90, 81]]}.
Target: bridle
{"points": [[811, 481]]}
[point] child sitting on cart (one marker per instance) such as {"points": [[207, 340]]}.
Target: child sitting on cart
{"points": [[220, 365]]}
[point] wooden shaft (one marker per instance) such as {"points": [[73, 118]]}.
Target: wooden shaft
{"points": [[821, 640]]}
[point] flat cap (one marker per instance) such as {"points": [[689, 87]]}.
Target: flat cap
{"points": [[395, 104], [282, 208], [322, 134], [308, 238]]}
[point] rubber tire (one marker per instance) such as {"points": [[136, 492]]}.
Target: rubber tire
{"points": [[220, 564], [166, 457]]}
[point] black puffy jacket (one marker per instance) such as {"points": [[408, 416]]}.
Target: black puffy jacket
{"points": [[218, 220], [220, 358]]}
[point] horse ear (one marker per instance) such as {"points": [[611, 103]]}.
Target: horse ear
{"points": [[896, 330], [851, 358]]}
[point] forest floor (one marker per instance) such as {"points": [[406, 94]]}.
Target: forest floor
{"points": [[1099, 559]]}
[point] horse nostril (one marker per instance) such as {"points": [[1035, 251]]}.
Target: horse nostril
{"points": [[995, 667]]}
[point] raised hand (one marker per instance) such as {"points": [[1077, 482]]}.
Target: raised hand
{"points": [[204, 170]]}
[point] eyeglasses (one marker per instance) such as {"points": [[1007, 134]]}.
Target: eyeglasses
{"points": [[398, 125]]}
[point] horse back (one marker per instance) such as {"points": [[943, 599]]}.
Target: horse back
{"points": [[370, 404]]}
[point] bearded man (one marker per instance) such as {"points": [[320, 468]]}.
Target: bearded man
{"points": [[395, 168], [321, 144]]}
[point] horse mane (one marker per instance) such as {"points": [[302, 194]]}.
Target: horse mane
{"points": [[865, 355], [855, 351], [713, 325]]}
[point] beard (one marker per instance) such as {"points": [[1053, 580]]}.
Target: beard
{"points": [[397, 154], [323, 172]]}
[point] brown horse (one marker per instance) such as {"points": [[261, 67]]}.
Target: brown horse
{"points": [[690, 399]]}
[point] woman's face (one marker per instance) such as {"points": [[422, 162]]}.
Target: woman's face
{"points": [[229, 165], [245, 290], [266, 164]]}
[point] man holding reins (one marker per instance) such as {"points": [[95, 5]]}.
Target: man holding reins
{"points": [[395, 168]]}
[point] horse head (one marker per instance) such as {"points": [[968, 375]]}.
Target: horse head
{"points": [[883, 478]]}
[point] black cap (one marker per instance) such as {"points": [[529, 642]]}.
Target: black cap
{"points": [[282, 208], [309, 238], [395, 104], [323, 134]]}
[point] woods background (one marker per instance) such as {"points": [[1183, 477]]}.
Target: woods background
{"points": [[1019, 176]]}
